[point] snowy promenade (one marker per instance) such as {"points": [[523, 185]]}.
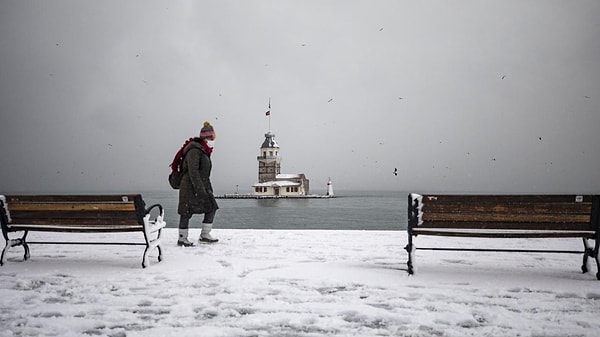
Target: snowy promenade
{"points": [[298, 283]]}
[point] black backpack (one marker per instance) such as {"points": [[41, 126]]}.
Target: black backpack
{"points": [[175, 178], [177, 170]]}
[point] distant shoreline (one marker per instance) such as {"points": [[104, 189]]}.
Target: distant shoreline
{"points": [[252, 196]]}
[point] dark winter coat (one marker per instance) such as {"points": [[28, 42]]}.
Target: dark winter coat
{"points": [[196, 193]]}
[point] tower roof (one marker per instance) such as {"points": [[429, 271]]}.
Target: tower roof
{"points": [[269, 141]]}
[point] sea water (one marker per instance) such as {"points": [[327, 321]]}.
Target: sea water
{"points": [[349, 210]]}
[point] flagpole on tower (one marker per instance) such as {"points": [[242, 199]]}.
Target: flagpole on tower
{"points": [[269, 114]]}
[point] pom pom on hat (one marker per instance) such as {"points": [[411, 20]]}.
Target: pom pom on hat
{"points": [[207, 132]]}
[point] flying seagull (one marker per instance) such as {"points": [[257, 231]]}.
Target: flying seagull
{"points": [[395, 171]]}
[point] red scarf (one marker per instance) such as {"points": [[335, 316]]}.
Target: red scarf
{"points": [[175, 164]]}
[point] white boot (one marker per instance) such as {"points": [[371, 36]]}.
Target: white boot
{"points": [[205, 233], [183, 238]]}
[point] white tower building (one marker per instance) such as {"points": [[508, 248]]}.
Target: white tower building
{"points": [[330, 188]]}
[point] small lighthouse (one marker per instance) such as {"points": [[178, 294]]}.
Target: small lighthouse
{"points": [[329, 188]]}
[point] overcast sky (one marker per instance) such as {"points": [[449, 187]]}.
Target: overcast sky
{"points": [[459, 96]]}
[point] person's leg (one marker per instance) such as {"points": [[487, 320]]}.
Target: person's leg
{"points": [[184, 223], [207, 225], [209, 217]]}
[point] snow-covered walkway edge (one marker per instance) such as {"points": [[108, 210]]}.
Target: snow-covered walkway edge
{"points": [[298, 283]]}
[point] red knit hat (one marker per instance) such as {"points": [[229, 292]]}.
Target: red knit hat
{"points": [[207, 132]]}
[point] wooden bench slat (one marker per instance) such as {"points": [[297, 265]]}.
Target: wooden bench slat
{"points": [[71, 198], [72, 206], [461, 232], [506, 199], [516, 217], [503, 225], [520, 208], [77, 222], [23, 217], [78, 229]]}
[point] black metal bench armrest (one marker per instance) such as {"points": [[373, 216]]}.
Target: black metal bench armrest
{"points": [[149, 209]]}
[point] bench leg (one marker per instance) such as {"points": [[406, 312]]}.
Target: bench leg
{"points": [[14, 243], [152, 228], [9, 243], [587, 251], [145, 258], [594, 252], [410, 249], [150, 246], [597, 258], [160, 258]]}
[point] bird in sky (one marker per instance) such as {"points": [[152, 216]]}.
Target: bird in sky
{"points": [[395, 171]]}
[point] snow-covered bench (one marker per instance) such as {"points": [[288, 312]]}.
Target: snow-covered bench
{"points": [[80, 214], [506, 216]]}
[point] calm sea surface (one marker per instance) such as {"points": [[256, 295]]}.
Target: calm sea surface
{"points": [[360, 210]]}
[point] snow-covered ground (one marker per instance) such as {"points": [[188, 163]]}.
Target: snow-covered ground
{"points": [[298, 283]]}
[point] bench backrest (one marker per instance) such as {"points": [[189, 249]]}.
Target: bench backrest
{"points": [[505, 212], [74, 212]]}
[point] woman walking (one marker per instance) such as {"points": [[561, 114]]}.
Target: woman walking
{"points": [[195, 192]]}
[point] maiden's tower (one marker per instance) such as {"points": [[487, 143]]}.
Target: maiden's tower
{"points": [[271, 182]]}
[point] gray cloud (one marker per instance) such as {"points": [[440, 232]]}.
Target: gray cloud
{"points": [[460, 96]]}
